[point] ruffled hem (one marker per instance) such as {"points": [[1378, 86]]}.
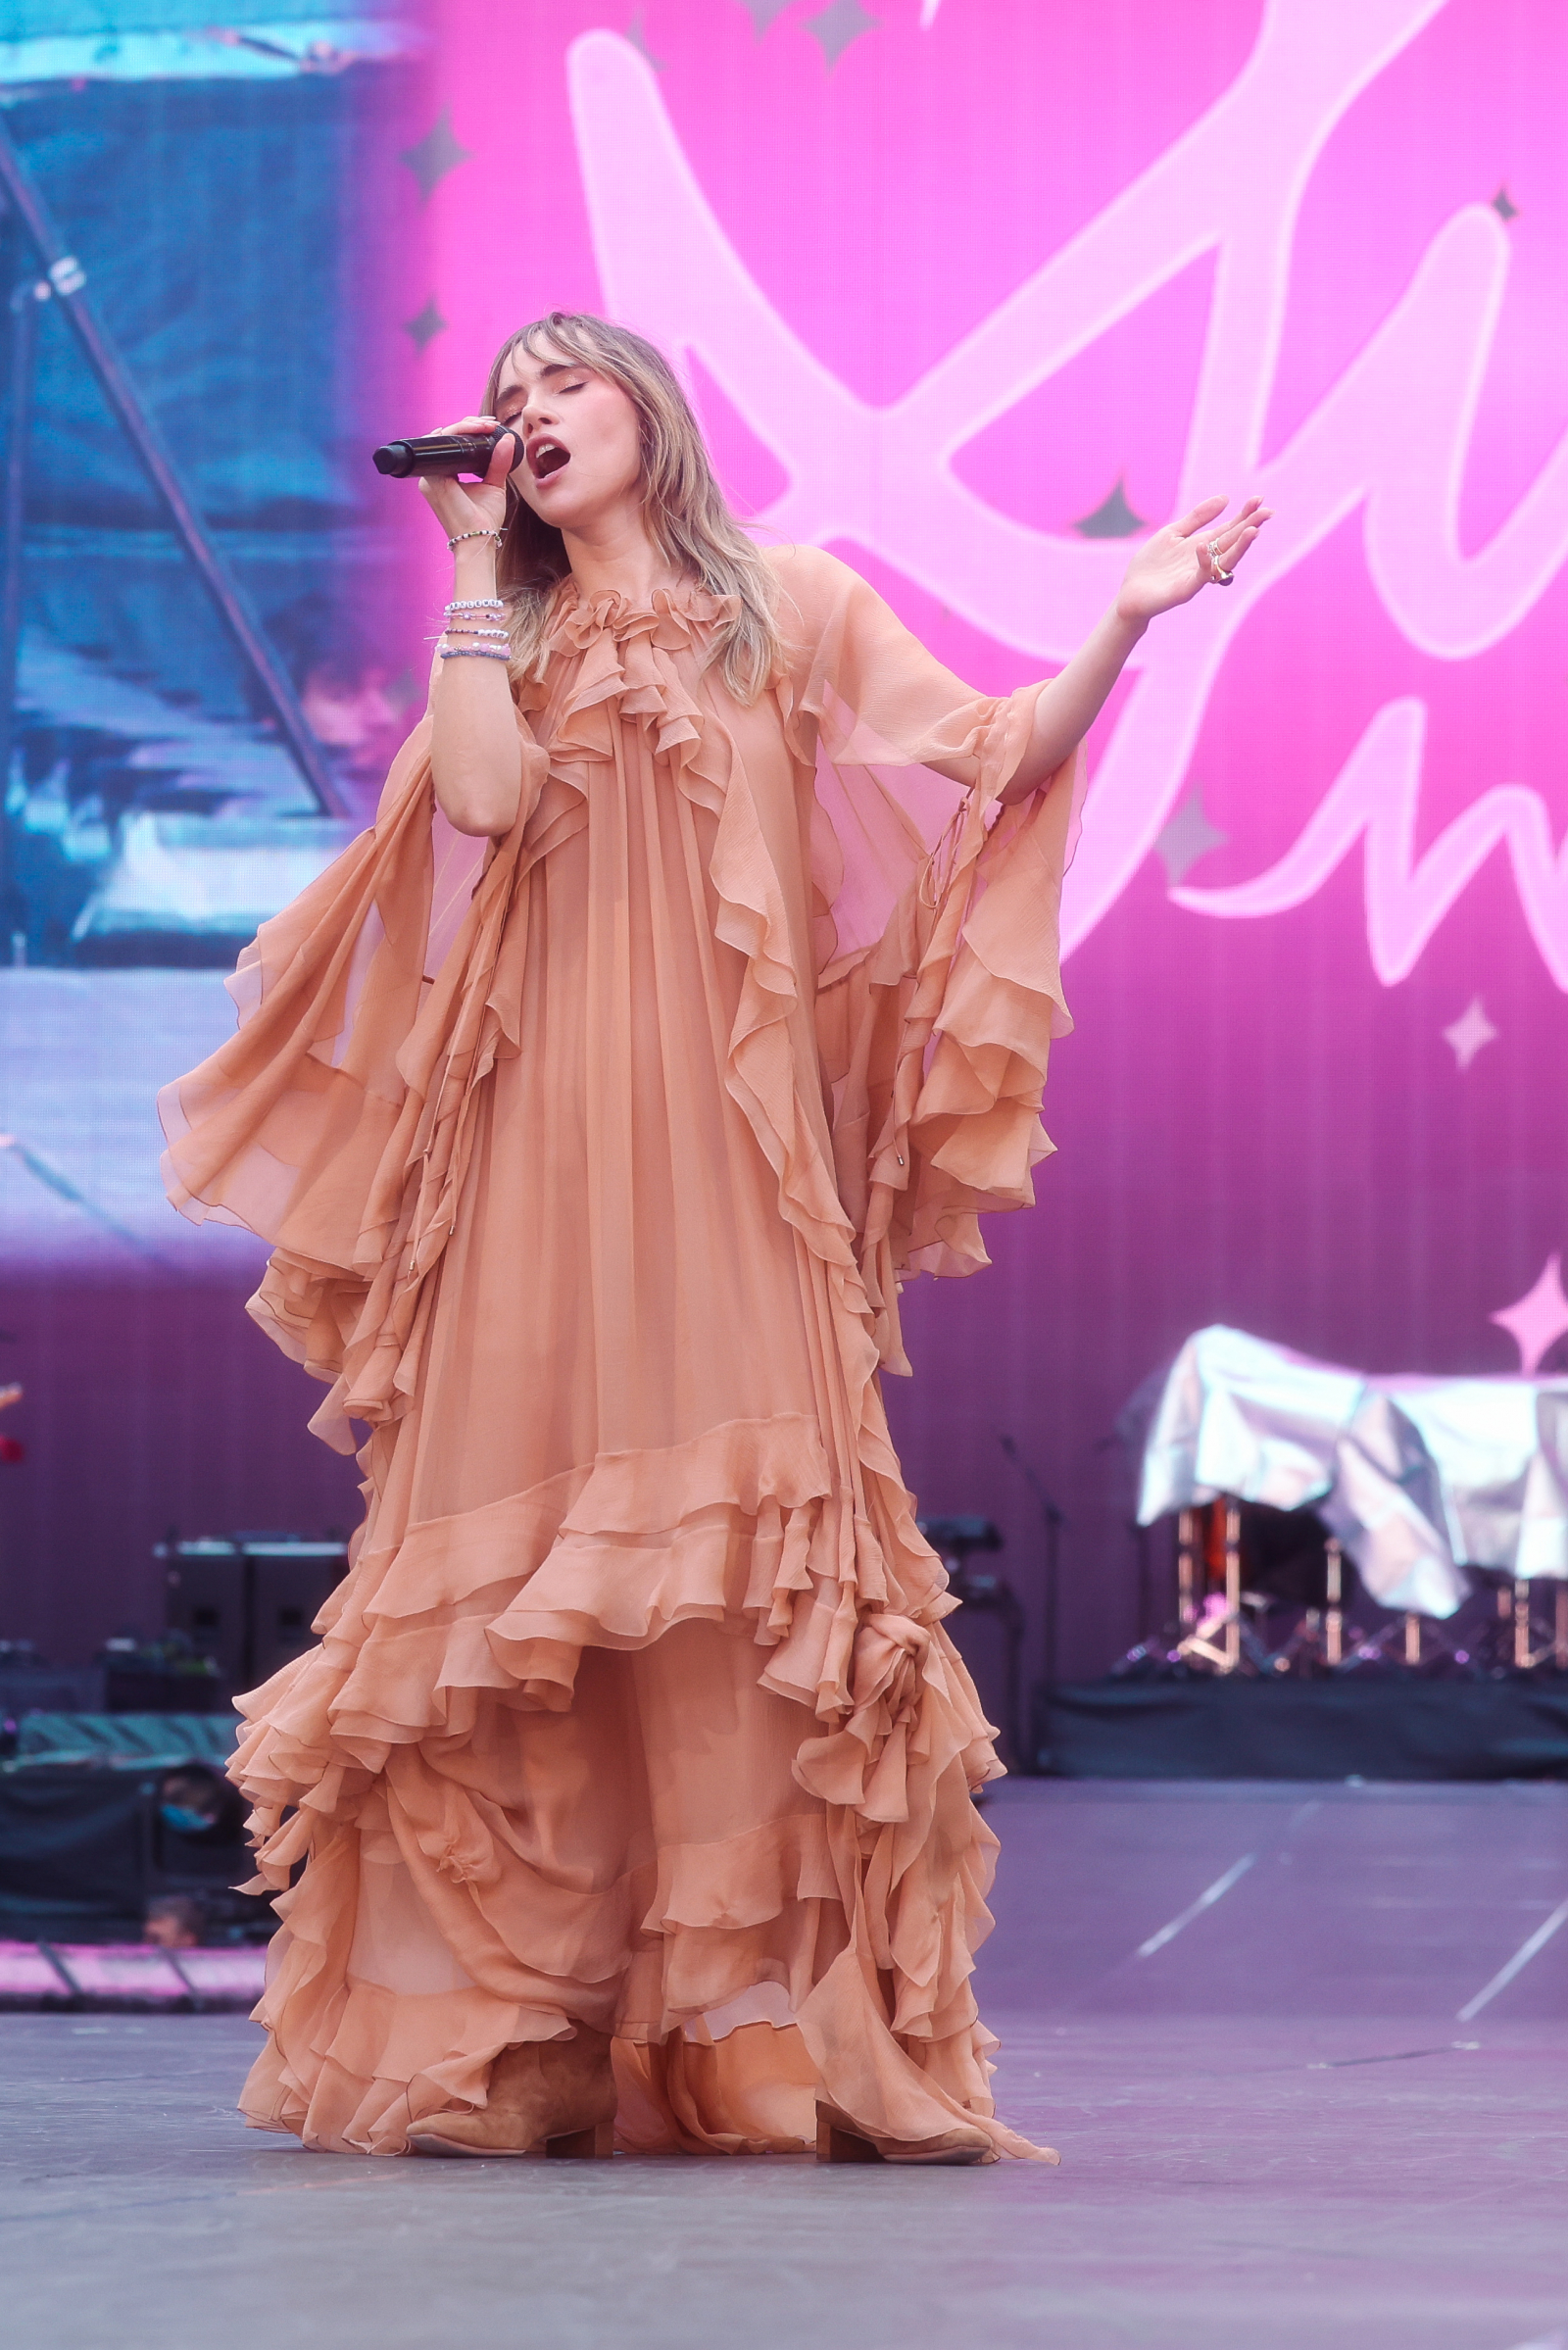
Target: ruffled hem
{"points": [[879, 1885], [352, 2065], [424, 1642], [351, 2062]]}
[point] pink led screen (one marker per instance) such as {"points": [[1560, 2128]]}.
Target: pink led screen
{"points": [[974, 290]]}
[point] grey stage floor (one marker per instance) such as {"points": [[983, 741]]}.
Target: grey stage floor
{"points": [[1304, 2120]]}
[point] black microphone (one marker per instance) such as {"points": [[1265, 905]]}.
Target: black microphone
{"points": [[447, 454]]}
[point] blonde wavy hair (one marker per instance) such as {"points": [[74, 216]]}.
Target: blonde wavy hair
{"points": [[686, 513]]}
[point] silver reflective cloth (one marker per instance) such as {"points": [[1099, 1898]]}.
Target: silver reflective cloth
{"points": [[1419, 1478]]}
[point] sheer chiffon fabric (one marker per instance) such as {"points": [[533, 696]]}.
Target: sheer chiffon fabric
{"points": [[592, 1162]]}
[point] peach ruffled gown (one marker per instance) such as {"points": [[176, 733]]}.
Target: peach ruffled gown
{"points": [[591, 1164]]}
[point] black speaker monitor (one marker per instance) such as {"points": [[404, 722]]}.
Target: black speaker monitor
{"points": [[248, 1601], [289, 1582]]}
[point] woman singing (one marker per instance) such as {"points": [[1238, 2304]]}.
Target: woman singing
{"points": [[692, 989]]}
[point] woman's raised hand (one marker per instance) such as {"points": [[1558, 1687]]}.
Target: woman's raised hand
{"points": [[1171, 566], [470, 506]]}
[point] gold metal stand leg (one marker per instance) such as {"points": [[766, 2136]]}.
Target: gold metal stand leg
{"points": [[1232, 1587], [1186, 1602]]}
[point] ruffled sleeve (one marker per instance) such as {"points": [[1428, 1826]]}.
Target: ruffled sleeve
{"points": [[937, 923], [335, 1123]]}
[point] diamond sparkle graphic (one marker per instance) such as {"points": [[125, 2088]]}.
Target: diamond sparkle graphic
{"points": [[1537, 1320], [425, 327], [1188, 836], [835, 26], [763, 12], [1503, 205], [1470, 1033], [1112, 519], [435, 155]]}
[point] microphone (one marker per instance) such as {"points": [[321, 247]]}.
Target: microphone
{"points": [[448, 454]]}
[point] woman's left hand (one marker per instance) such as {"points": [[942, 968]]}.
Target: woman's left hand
{"points": [[1170, 568]]}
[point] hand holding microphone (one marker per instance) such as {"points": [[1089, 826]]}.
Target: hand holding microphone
{"points": [[464, 447], [474, 445]]}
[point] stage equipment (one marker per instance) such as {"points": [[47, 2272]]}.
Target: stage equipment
{"points": [[136, 1742], [442, 454], [1522, 1640], [290, 1579], [248, 1601], [158, 1677], [73, 1856], [1052, 1522], [1237, 1566], [957, 1541], [102, 1815], [1422, 1482], [1240, 1564], [1402, 1726], [63, 280], [30, 1685]]}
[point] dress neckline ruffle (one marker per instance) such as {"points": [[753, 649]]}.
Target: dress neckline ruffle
{"points": [[671, 616]]}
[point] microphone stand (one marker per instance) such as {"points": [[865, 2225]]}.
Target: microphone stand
{"points": [[1053, 1521]]}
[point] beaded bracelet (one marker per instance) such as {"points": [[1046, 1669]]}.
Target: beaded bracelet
{"points": [[475, 603], [472, 653], [497, 535]]}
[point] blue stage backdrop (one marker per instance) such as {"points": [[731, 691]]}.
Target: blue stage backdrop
{"points": [[974, 291], [236, 200]]}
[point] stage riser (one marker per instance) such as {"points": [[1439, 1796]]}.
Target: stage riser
{"points": [[1294, 1729]]}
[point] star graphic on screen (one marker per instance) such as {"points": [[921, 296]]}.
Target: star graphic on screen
{"points": [[427, 326], [1470, 1033], [763, 12], [1537, 1320], [1113, 519], [637, 34], [436, 154], [1503, 205], [1188, 836], [839, 24]]}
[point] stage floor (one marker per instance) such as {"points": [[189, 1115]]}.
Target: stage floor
{"points": [[1278, 2131]]}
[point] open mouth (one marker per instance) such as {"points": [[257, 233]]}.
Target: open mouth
{"points": [[546, 458]]}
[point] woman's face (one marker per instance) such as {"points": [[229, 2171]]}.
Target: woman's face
{"points": [[580, 451]]}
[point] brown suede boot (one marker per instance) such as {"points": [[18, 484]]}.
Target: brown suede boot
{"points": [[555, 2096], [838, 2140]]}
